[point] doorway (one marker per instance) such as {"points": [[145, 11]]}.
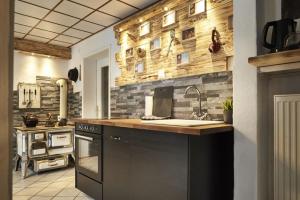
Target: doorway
{"points": [[96, 85]]}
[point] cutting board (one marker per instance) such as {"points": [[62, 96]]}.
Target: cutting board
{"points": [[163, 102]]}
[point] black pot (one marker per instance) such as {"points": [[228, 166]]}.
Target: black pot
{"points": [[228, 119], [30, 121]]}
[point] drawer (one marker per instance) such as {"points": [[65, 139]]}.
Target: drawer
{"points": [[38, 149], [40, 136], [59, 139], [48, 164]]}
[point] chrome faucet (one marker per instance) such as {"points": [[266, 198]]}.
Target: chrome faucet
{"points": [[200, 115]]}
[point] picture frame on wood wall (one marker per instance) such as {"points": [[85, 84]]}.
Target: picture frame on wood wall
{"points": [[144, 29], [139, 67], [197, 7], [188, 34], [169, 18], [155, 44], [183, 58], [129, 53]]}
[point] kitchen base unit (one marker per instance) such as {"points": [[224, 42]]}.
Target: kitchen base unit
{"points": [[141, 164]]}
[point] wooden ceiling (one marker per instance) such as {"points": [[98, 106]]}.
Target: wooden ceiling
{"points": [[68, 22]]}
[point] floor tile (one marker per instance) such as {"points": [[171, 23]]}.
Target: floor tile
{"points": [[40, 198], [28, 192], [58, 184], [49, 192], [68, 192], [16, 189], [63, 198], [21, 197], [39, 184]]}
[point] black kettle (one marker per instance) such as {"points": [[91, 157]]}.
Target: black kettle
{"points": [[281, 29]]}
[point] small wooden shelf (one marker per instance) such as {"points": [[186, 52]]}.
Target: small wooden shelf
{"points": [[280, 58]]}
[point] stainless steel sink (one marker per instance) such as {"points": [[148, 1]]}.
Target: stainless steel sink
{"points": [[181, 122]]}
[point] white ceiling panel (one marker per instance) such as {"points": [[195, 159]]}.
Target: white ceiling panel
{"points": [[36, 38], [61, 19], [51, 27], [92, 3], [87, 26], [46, 34], [29, 21], [30, 10], [19, 35], [73, 9], [122, 11], [140, 3], [22, 29], [102, 19], [76, 33], [44, 3], [67, 39], [63, 44]]}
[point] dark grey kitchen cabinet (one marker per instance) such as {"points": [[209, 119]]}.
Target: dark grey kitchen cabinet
{"points": [[150, 165], [144, 165], [116, 166], [159, 167]]}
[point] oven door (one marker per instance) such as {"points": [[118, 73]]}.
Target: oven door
{"points": [[88, 151]]}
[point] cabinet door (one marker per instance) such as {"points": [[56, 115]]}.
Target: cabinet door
{"points": [[116, 176], [159, 166]]}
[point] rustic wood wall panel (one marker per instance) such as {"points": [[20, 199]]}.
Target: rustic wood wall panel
{"points": [[218, 14]]}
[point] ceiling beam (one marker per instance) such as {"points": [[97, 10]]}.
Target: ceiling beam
{"points": [[42, 48]]}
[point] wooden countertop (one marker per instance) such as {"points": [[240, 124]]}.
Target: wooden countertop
{"points": [[43, 128], [137, 124]]}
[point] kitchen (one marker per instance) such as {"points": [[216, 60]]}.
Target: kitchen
{"points": [[128, 99]]}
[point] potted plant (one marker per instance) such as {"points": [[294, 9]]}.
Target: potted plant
{"points": [[228, 108]]}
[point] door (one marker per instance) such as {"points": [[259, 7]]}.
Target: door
{"points": [[117, 159], [102, 91], [159, 166], [89, 155]]}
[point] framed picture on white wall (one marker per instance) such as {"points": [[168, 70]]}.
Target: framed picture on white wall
{"points": [[169, 18]]}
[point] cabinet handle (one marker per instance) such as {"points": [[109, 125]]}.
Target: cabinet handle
{"points": [[115, 138]]}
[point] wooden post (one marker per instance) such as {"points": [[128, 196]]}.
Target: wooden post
{"points": [[6, 79]]}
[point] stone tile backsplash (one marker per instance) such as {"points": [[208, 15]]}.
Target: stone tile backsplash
{"points": [[129, 101], [49, 102]]}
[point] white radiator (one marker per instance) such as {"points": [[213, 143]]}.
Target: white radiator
{"points": [[287, 147]]}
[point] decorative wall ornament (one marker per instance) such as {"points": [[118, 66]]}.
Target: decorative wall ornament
{"points": [[216, 44], [139, 67], [132, 37], [197, 7], [29, 95], [141, 52], [144, 29], [155, 44], [183, 58], [188, 34], [169, 18], [129, 53]]}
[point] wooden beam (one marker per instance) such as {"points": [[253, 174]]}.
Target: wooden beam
{"points": [[42, 48], [6, 83]]}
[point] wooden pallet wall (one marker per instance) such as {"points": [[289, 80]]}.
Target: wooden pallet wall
{"points": [[219, 14]]}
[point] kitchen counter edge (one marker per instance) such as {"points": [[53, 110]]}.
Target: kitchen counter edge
{"points": [[137, 124]]}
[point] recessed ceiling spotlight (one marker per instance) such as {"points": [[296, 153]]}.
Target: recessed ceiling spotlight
{"points": [[166, 8], [141, 20], [32, 54], [120, 30]]}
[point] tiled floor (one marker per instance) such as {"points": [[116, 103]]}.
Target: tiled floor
{"points": [[56, 185]]}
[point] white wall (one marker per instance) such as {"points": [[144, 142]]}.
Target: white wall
{"points": [[27, 67], [93, 45], [245, 101]]}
